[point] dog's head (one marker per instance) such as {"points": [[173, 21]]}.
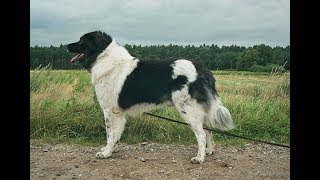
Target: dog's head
{"points": [[89, 47]]}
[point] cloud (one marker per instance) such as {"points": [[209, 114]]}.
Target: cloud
{"points": [[221, 22]]}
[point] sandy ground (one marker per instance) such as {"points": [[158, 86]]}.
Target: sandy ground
{"points": [[158, 161]]}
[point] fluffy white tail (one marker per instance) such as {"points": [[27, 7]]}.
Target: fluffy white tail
{"points": [[219, 116]]}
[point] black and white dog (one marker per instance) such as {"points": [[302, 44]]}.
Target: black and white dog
{"points": [[125, 85]]}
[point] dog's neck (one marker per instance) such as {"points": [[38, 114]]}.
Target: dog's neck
{"points": [[113, 52], [110, 58], [108, 51]]}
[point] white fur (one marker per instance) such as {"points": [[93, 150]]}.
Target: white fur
{"points": [[219, 116], [194, 114], [109, 73], [139, 108], [185, 68], [115, 122]]}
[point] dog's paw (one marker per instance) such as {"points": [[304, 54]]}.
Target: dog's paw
{"points": [[114, 150], [103, 155], [103, 149], [197, 160], [209, 151]]}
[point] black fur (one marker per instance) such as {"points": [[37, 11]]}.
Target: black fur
{"points": [[205, 83], [150, 82], [91, 44]]}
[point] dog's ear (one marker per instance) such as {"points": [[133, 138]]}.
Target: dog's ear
{"points": [[102, 40]]}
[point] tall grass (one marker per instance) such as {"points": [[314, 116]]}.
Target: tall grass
{"points": [[64, 108]]}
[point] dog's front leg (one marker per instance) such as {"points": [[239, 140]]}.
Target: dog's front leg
{"points": [[115, 122]]}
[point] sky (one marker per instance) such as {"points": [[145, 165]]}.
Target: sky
{"points": [[153, 22]]}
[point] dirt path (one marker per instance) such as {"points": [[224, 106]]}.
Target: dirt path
{"points": [[158, 161]]}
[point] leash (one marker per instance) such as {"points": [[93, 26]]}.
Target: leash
{"points": [[219, 131]]}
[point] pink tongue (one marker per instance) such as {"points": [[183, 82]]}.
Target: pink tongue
{"points": [[76, 58]]}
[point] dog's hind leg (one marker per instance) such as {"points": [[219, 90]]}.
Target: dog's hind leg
{"points": [[115, 122], [210, 142], [193, 113]]}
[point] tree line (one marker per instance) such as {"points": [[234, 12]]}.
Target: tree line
{"points": [[259, 58]]}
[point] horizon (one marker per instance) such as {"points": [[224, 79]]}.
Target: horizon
{"points": [[184, 45]]}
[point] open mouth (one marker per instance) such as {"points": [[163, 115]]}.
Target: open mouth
{"points": [[76, 58]]}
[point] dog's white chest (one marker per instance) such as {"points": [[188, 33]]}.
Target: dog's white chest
{"points": [[108, 83]]}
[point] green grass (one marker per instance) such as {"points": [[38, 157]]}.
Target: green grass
{"points": [[63, 109]]}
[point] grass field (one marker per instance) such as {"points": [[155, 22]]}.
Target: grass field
{"points": [[63, 109]]}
